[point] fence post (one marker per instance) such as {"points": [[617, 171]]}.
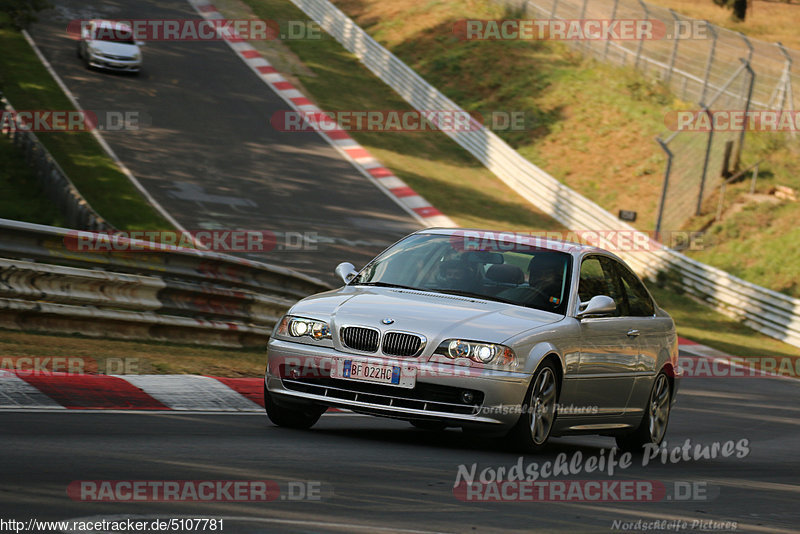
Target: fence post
{"points": [[641, 41], [709, 62], [705, 161], [613, 16], [786, 84], [750, 86], [555, 8], [755, 177], [674, 54], [664, 188]]}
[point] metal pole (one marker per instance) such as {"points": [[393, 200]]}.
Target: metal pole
{"points": [[755, 177], [674, 54], [787, 87], [555, 8], [705, 161], [641, 41], [752, 76], [613, 17], [584, 44], [709, 62], [664, 188]]}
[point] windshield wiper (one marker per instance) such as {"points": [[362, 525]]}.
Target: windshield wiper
{"points": [[387, 284], [474, 295]]}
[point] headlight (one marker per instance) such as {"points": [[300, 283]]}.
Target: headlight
{"points": [[299, 327], [484, 353]]}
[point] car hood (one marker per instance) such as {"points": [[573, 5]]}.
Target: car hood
{"points": [[437, 316], [115, 49]]}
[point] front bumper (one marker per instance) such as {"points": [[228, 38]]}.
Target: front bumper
{"points": [[101, 62], [301, 373]]}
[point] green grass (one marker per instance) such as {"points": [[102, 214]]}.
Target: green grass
{"points": [[29, 86], [21, 196]]}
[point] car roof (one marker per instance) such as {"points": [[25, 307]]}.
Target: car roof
{"points": [[539, 239]]}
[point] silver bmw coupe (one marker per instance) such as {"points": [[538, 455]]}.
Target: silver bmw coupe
{"points": [[502, 333]]}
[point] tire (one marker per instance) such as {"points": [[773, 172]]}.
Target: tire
{"points": [[538, 417], [426, 424], [653, 426], [288, 417]]}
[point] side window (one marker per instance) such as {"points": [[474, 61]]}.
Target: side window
{"points": [[615, 290], [599, 277], [639, 302], [592, 280]]}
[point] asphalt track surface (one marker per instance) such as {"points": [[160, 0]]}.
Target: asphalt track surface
{"points": [[380, 473], [206, 151]]}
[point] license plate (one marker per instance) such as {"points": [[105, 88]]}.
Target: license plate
{"points": [[379, 373]]}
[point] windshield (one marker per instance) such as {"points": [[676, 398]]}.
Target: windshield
{"points": [[120, 34], [493, 270]]}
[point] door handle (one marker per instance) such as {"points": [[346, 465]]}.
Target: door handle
{"points": [[633, 333]]}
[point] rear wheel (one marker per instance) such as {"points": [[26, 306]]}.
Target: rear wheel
{"points": [[538, 410], [654, 423], [291, 417]]}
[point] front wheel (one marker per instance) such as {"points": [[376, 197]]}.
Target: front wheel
{"points": [[654, 421], [290, 417], [538, 411]]}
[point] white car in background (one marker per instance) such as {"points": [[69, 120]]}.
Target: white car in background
{"points": [[106, 44]]}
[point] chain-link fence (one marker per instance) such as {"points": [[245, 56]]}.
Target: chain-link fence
{"points": [[698, 162], [711, 67]]}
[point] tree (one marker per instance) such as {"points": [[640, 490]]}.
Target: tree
{"points": [[739, 7], [20, 13]]}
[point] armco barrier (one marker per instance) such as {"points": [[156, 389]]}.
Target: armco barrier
{"points": [[764, 310], [147, 292]]}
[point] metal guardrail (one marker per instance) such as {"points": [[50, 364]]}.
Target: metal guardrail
{"points": [[77, 212], [767, 311], [153, 292]]}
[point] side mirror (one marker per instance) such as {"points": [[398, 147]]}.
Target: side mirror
{"points": [[140, 43], [598, 305], [346, 271]]}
